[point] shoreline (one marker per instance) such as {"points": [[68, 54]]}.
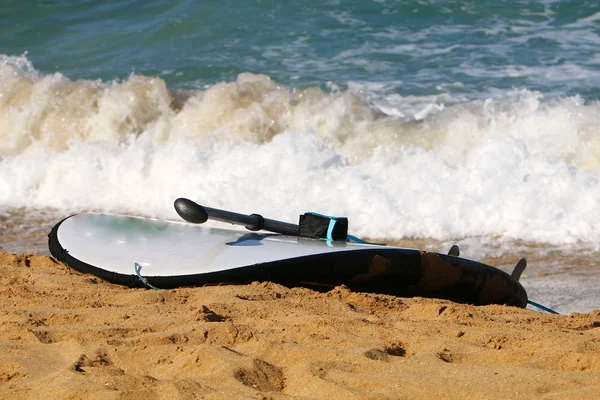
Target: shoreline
{"points": [[70, 334]]}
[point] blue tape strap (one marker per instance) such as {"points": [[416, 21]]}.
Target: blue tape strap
{"points": [[330, 229], [138, 268], [541, 307], [330, 232], [332, 221]]}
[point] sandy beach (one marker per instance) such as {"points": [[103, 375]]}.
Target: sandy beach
{"points": [[428, 124], [69, 335]]}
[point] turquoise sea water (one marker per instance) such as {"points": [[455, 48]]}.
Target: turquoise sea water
{"points": [[468, 49]]}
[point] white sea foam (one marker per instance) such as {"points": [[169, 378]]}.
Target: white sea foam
{"points": [[515, 166]]}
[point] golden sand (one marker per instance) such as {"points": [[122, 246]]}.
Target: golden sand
{"points": [[64, 334]]}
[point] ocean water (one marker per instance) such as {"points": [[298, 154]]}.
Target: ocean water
{"points": [[471, 122]]}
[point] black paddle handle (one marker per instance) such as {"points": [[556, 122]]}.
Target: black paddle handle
{"points": [[195, 213]]}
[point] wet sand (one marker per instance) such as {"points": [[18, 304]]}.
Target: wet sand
{"points": [[64, 334]]}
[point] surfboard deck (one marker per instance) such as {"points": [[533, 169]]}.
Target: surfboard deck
{"points": [[174, 254]]}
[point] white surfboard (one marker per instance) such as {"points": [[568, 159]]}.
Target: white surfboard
{"points": [[138, 251]]}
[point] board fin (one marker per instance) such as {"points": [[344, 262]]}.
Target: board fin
{"points": [[454, 251], [519, 268]]}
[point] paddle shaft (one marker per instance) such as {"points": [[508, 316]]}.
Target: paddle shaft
{"points": [[253, 222], [196, 213]]}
